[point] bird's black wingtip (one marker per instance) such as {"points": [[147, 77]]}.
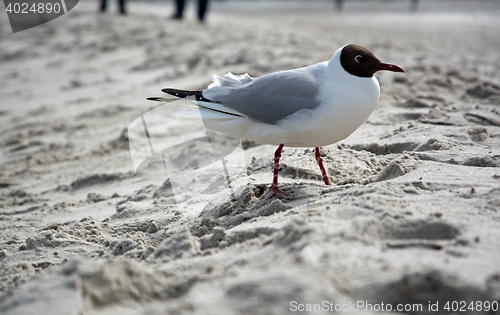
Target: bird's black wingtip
{"points": [[154, 99], [178, 93], [198, 95]]}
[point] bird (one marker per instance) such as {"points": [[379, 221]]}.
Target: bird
{"points": [[312, 106]]}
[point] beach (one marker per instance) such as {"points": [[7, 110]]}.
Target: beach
{"points": [[91, 223]]}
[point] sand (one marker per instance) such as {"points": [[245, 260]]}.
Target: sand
{"points": [[412, 215]]}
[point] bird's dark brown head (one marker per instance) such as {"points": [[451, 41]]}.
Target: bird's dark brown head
{"points": [[361, 62]]}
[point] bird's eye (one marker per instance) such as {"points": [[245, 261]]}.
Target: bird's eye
{"points": [[358, 58]]}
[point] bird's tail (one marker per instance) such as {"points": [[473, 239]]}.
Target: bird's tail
{"points": [[213, 115], [196, 98]]}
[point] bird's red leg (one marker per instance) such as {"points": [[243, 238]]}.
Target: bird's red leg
{"points": [[274, 187], [320, 163]]}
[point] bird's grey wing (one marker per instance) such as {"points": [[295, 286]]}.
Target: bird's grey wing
{"points": [[272, 97]]}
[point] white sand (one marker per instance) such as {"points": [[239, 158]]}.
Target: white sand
{"points": [[412, 216]]}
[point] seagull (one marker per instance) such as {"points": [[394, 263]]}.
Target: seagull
{"points": [[311, 106]]}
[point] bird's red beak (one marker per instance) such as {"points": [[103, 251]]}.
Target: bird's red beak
{"points": [[389, 67]]}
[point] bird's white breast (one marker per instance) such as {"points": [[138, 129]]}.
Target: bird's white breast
{"points": [[346, 102]]}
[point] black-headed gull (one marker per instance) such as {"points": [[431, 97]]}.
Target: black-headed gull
{"points": [[311, 106]]}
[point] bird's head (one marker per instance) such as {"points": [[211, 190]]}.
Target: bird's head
{"points": [[361, 62]]}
